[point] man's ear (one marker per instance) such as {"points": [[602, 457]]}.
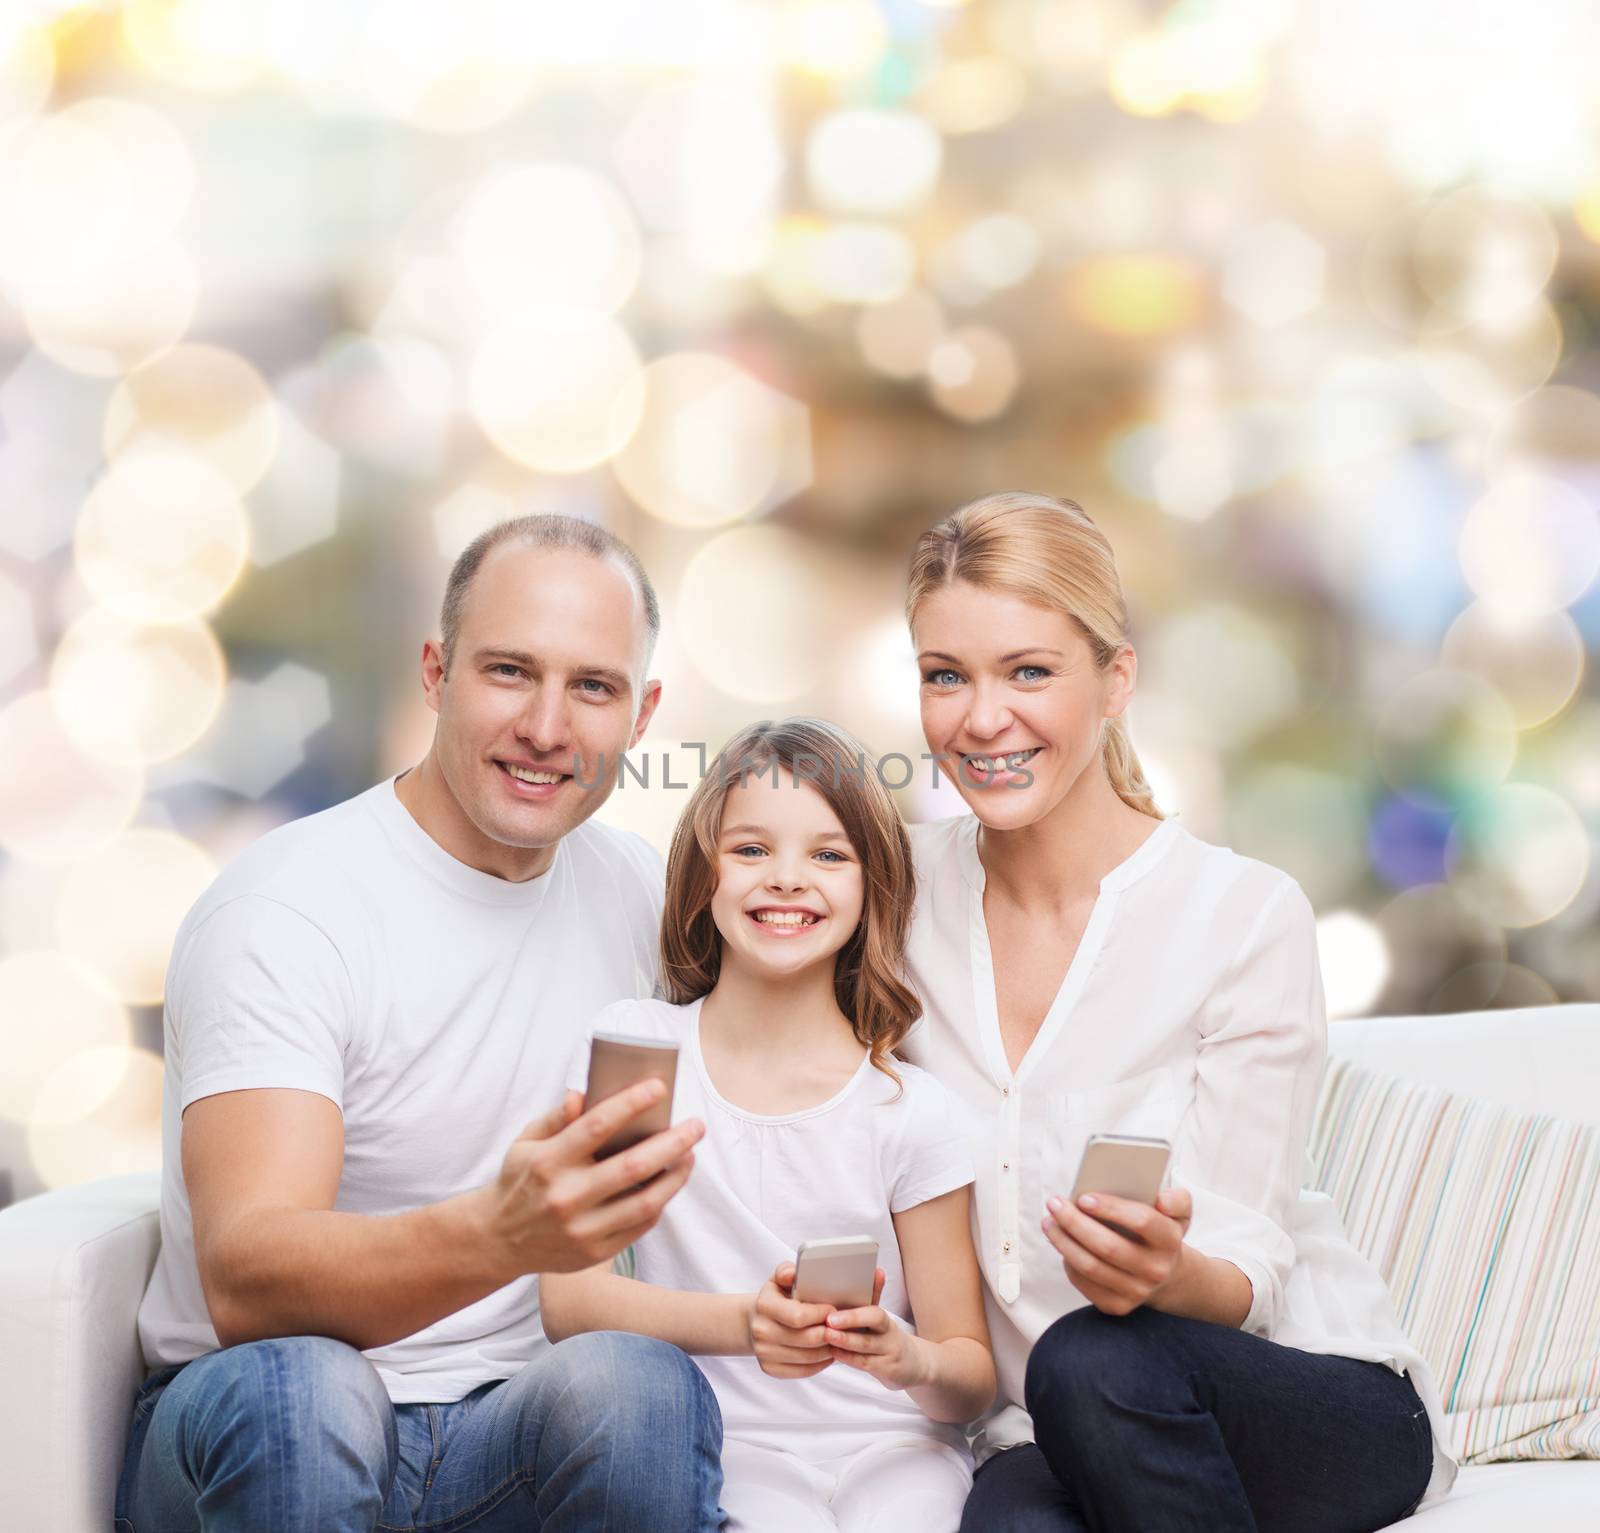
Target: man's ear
{"points": [[432, 672], [647, 707]]}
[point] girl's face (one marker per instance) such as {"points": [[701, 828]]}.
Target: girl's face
{"points": [[789, 886], [1012, 687]]}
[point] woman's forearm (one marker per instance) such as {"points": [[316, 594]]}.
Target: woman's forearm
{"points": [[702, 1324], [960, 1379], [1205, 1288]]}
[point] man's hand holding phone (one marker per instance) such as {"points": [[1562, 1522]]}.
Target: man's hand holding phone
{"points": [[554, 1208], [787, 1337]]}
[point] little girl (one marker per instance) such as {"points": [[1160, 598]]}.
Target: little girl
{"points": [[789, 893]]}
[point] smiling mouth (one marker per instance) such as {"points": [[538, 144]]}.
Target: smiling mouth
{"points": [[996, 766], [531, 777], [785, 923]]}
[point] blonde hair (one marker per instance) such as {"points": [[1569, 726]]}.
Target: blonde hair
{"points": [[1048, 552], [868, 971]]}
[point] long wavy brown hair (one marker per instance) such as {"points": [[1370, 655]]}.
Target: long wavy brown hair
{"points": [[868, 971]]}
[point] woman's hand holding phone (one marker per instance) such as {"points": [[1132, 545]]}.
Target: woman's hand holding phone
{"points": [[1118, 1269], [785, 1335]]}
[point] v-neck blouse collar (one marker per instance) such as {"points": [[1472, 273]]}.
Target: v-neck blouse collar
{"points": [[1129, 871]]}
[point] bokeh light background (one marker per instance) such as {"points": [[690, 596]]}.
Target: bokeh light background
{"points": [[295, 297]]}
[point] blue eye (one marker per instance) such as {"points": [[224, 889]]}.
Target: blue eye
{"points": [[1042, 671], [589, 681], [829, 852], [739, 851], [933, 676], [506, 665]]}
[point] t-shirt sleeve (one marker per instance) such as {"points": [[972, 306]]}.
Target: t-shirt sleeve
{"points": [[935, 1147], [260, 997]]}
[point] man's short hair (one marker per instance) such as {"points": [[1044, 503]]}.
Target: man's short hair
{"points": [[543, 532]]}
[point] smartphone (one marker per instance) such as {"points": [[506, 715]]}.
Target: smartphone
{"points": [[838, 1271], [1122, 1166], [616, 1062]]}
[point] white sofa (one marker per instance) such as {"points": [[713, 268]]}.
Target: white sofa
{"points": [[73, 1265]]}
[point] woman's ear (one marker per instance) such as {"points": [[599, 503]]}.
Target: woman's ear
{"points": [[1122, 676]]}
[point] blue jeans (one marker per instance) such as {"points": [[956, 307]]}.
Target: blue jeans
{"points": [[298, 1435], [1149, 1423]]}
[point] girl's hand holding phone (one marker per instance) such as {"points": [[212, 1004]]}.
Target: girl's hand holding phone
{"points": [[869, 1340], [1118, 1269], [785, 1335]]}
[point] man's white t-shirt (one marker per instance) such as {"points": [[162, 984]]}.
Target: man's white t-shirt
{"points": [[763, 1183], [349, 954]]}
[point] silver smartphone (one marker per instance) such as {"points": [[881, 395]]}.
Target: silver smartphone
{"points": [[1122, 1166], [616, 1062], [838, 1271]]}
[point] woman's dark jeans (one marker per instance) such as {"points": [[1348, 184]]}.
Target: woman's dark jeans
{"points": [[1148, 1423]]}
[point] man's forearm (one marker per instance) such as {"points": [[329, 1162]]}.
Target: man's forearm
{"points": [[366, 1279]]}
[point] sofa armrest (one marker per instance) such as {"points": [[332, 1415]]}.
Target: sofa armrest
{"points": [[73, 1269]]}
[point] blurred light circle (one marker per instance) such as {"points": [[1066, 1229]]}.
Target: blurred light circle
{"points": [[558, 397], [1519, 855], [203, 400], [863, 263], [997, 251], [1492, 987], [99, 1114], [1406, 844], [1230, 669], [134, 693], [448, 69], [750, 608], [207, 45], [1135, 295], [106, 322], [1444, 736], [1432, 934], [1144, 79], [27, 71], [713, 444], [161, 536], [51, 1007], [121, 907], [58, 801], [1274, 273], [19, 642], [1530, 545], [833, 38], [974, 95], [1485, 256], [973, 373], [896, 338], [1309, 822], [1586, 212], [873, 160], [549, 237], [1553, 432], [1534, 661], [90, 190], [1486, 367], [1355, 962]]}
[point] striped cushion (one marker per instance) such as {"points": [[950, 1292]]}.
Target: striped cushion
{"points": [[1486, 1225]]}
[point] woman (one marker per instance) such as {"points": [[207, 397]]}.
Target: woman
{"points": [[1225, 1359]]}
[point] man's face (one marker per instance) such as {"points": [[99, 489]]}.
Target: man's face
{"points": [[546, 683]]}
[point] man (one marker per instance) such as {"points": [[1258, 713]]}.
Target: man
{"points": [[363, 1013]]}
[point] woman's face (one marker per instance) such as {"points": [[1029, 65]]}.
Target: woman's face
{"points": [[789, 887], [1011, 695]]}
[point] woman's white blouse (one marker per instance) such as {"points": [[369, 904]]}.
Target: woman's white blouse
{"points": [[1192, 1010]]}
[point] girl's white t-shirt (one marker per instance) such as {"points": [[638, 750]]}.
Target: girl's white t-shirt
{"points": [[1192, 1010], [763, 1183]]}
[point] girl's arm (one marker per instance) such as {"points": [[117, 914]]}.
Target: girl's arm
{"points": [[785, 1337], [598, 1299], [945, 1365]]}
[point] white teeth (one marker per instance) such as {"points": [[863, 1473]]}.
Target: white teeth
{"points": [[784, 918], [1018, 758], [522, 774], [987, 764]]}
